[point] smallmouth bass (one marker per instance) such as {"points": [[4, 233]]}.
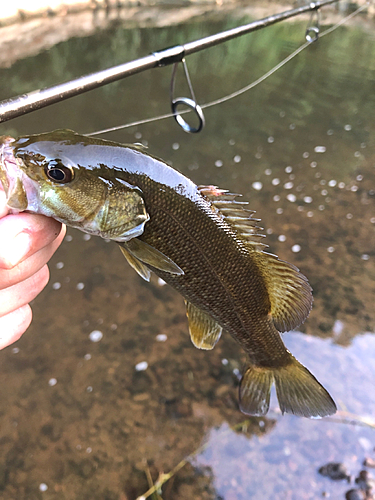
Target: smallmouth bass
{"points": [[199, 239]]}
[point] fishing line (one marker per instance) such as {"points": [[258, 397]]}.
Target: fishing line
{"points": [[243, 89]]}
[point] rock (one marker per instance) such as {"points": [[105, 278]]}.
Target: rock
{"points": [[335, 471], [355, 495]]}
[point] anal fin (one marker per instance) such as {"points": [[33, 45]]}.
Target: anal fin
{"points": [[204, 331], [136, 264]]}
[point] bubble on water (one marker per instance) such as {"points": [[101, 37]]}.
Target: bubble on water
{"points": [[354, 188], [324, 192], [271, 139], [347, 127], [100, 321], [330, 132], [313, 164], [307, 199], [269, 230], [218, 163], [161, 282], [305, 154], [321, 207], [288, 185], [282, 237], [349, 216], [86, 237], [89, 388], [323, 182], [310, 214], [363, 145], [161, 337], [296, 248], [357, 154], [141, 366], [138, 135], [114, 327], [87, 357], [68, 237], [89, 449], [231, 142], [318, 175], [288, 169], [279, 211], [332, 183], [257, 185], [59, 265], [56, 286], [341, 185], [276, 197], [258, 156], [320, 149], [292, 126], [365, 256], [292, 177], [224, 361], [237, 159], [359, 178], [291, 197], [372, 220], [15, 350], [300, 208], [78, 447], [268, 171], [96, 336], [175, 146], [52, 382], [275, 181], [80, 286], [282, 114], [43, 487]]}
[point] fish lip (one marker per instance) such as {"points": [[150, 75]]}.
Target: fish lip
{"points": [[6, 157]]}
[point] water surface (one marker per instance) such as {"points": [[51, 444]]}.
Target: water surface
{"points": [[76, 415]]}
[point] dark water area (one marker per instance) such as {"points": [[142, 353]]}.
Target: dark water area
{"points": [[105, 391]]}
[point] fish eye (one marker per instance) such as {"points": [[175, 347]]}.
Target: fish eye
{"points": [[59, 173]]}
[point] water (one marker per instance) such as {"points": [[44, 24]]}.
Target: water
{"points": [[106, 385]]}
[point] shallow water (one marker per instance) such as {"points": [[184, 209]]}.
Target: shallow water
{"points": [[76, 415]]}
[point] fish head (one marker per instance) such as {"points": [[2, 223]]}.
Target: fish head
{"points": [[54, 174]]}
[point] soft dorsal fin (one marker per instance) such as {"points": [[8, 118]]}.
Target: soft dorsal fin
{"points": [[288, 289], [236, 214], [136, 264], [204, 331], [149, 255]]}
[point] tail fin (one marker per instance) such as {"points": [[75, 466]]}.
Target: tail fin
{"points": [[297, 390]]}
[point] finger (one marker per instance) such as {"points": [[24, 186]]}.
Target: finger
{"points": [[22, 235], [14, 324], [4, 210], [31, 265], [22, 293]]}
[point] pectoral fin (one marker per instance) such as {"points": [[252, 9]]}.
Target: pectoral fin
{"points": [[152, 257], [137, 265], [204, 331]]}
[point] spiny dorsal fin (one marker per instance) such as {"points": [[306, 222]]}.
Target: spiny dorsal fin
{"points": [[149, 255], [143, 271], [289, 292], [236, 214], [204, 331]]}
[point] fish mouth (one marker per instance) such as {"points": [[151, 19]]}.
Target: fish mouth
{"points": [[11, 177]]}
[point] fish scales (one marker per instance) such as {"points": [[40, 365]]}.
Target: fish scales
{"points": [[200, 240]]}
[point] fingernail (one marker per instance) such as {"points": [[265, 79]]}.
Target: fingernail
{"points": [[16, 249]]}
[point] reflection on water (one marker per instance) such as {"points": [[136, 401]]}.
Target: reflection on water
{"points": [[106, 384]]}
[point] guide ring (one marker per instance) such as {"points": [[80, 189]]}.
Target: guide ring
{"points": [[190, 103], [194, 107], [313, 29]]}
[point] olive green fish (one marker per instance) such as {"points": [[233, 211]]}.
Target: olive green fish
{"points": [[199, 239]]}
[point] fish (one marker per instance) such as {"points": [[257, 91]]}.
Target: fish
{"points": [[202, 240]]}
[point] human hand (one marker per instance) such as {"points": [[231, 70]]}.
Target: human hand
{"points": [[27, 242]]}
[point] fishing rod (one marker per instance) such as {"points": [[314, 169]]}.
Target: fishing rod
{"points": [[23, 104]]}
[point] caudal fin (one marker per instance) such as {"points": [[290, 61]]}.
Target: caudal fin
{"points": [[297, 390]]}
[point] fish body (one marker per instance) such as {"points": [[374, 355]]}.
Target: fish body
{"points": [[199, 239]]}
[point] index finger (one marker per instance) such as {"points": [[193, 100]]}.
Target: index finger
{"points": [[4, 210]]}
